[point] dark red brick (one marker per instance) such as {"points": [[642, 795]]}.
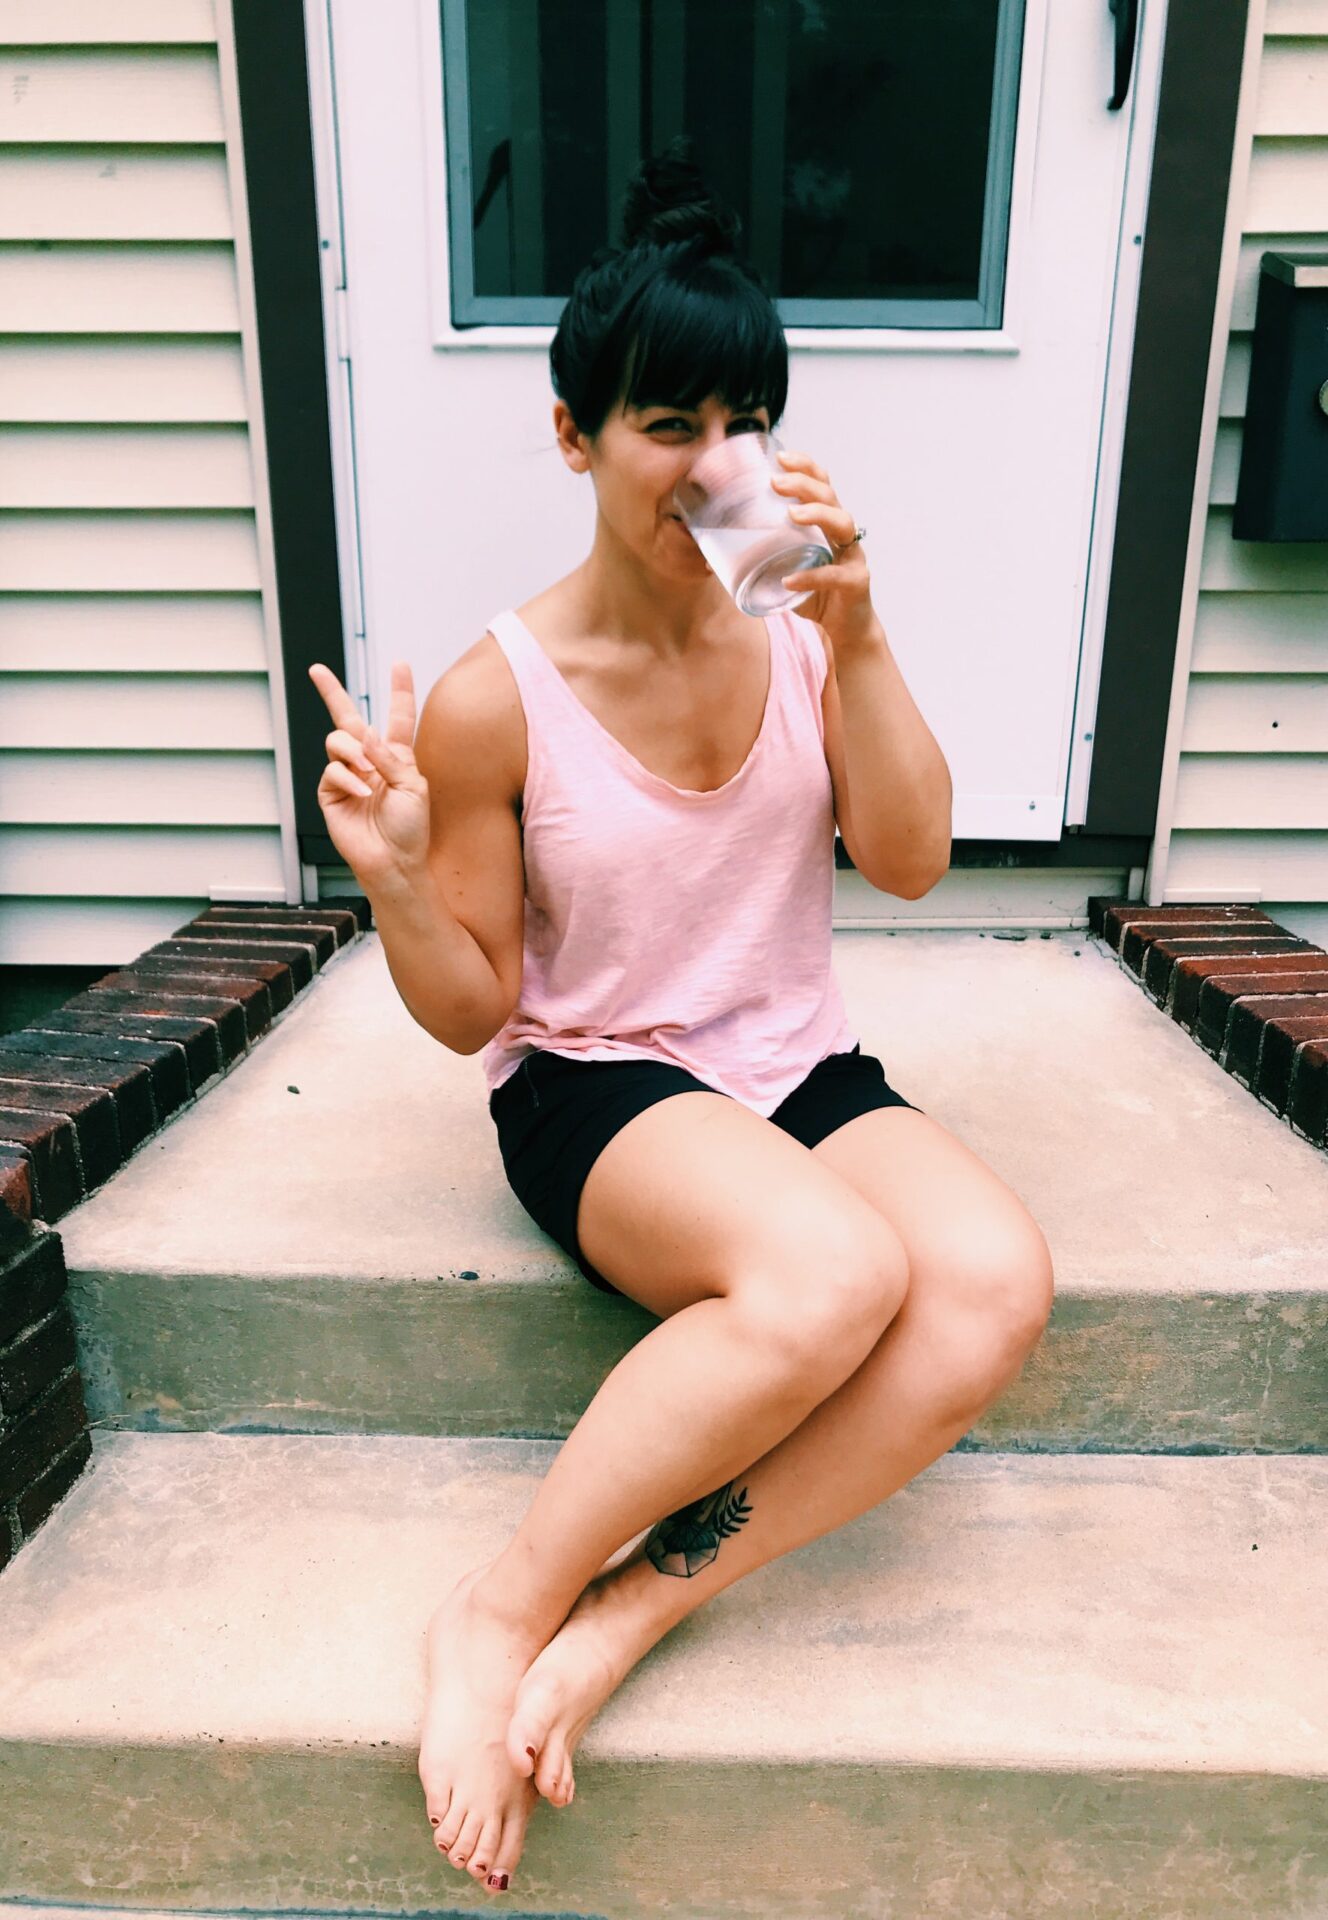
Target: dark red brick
{"points": [[1098, 906], [45, 1493], [1160, 956], [1307, 1108], [165, 1061], [349, 913], [1282, 1041], [299, 955], [129, 1086], [48, 1140], [35, 1360], [1220, 993], [320, 943], [1119, 918], [225, 1015], [326, 937], [275, 975], [198, 1040], [1250, 1036], [342, 926], [40, 1433], [250, 996], [32, 1282], [92, 1113], [15, 1199], [1261, 972]]}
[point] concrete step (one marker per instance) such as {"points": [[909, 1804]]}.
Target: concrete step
{"points": [[1089, 1676], [327, 1243]]}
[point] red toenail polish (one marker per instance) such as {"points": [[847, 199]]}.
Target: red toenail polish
{"points": [[531, 1752], [433, 1819], [498, 1880]]}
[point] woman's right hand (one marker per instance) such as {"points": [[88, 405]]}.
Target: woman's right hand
{"points": [[374, 798]]}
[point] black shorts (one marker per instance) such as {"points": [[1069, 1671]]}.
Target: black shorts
{"points": [[555, 1115]]}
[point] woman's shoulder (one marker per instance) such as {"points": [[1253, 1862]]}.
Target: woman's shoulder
{"points": [[474, 709]]}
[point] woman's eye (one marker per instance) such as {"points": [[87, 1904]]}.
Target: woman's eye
{"points": [[676, 420]]}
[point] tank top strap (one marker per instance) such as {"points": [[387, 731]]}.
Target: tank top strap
{"points": [[552, 710], [523, 655]]}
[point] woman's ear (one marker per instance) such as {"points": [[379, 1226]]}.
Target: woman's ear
{"points": [[571, 443]]}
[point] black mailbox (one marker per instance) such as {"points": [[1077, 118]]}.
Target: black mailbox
{"points": [[1282, 493]]}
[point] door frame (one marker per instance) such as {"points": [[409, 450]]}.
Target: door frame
{"points": [[299, 273]]}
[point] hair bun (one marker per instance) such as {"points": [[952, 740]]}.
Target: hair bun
{"points": [[669, 201]]}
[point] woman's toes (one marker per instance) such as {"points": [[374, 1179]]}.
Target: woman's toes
{"points": [[462, 1850], [527, 1732], [481, 1860], [445, 1833], [436, 1801], [506, 1855], [551, 1766], [567, 1784]]}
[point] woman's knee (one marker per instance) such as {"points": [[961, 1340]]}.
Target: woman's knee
{"points": [[995, 1296], [1011, 1280], [825, 1300]]}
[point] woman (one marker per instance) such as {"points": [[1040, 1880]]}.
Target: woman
{"points": [[607, 861]]}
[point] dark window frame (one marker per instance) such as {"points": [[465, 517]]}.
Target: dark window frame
{"points": [[983, 313]]}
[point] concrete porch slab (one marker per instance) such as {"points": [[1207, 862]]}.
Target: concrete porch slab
{"points": [[281, 1258], [1102, 1675]]}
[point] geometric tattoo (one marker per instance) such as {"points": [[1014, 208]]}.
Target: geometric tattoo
{"points": [[685, 1541]]}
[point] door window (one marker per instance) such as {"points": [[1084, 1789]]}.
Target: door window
{"points": [[866, 144]]}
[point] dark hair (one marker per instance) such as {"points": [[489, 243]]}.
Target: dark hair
{"points": [[670, 313]]}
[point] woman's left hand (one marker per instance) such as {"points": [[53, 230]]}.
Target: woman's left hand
{"points": [[840, 600]]}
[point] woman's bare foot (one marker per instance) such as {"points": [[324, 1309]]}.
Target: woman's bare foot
{"points": [[616, 1620], [478, 1802]]}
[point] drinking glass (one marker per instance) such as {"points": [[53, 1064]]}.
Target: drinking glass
{"points": [[743, 526]]}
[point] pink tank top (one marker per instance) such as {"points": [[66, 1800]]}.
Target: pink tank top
{"points": [[663, 923]]}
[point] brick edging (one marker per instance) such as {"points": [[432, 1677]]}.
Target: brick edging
{"points": [[1250, 993], [81, 1090]]}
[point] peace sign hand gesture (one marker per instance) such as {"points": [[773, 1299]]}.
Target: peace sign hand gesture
{"points": [[374, 798]]}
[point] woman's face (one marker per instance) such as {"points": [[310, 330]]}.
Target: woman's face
{"points": [[638, 459]]}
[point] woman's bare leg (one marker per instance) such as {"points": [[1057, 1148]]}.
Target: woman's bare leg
{"points": [[958, 1342], [776, 1279]]}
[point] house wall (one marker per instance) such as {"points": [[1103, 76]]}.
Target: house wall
{"points": [[143, 754], [1245, 804], [143, 742]]}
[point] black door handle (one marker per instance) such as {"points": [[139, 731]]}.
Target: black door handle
{"points": [[1127, 28]]}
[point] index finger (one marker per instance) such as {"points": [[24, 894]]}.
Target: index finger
{"points": [[336, 699]]}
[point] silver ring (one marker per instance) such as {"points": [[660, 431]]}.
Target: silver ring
{"points": [[859, 533]]}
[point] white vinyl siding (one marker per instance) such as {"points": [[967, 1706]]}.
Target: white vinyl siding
{"points": [[1249, 819], [143, 765]]}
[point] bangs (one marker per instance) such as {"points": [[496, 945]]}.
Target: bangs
{"points": [[717, 333]]}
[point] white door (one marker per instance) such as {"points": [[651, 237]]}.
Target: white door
{"points": [[947, 211]]}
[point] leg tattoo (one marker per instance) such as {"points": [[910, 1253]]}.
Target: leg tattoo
{"points": [[685, 1541]]}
